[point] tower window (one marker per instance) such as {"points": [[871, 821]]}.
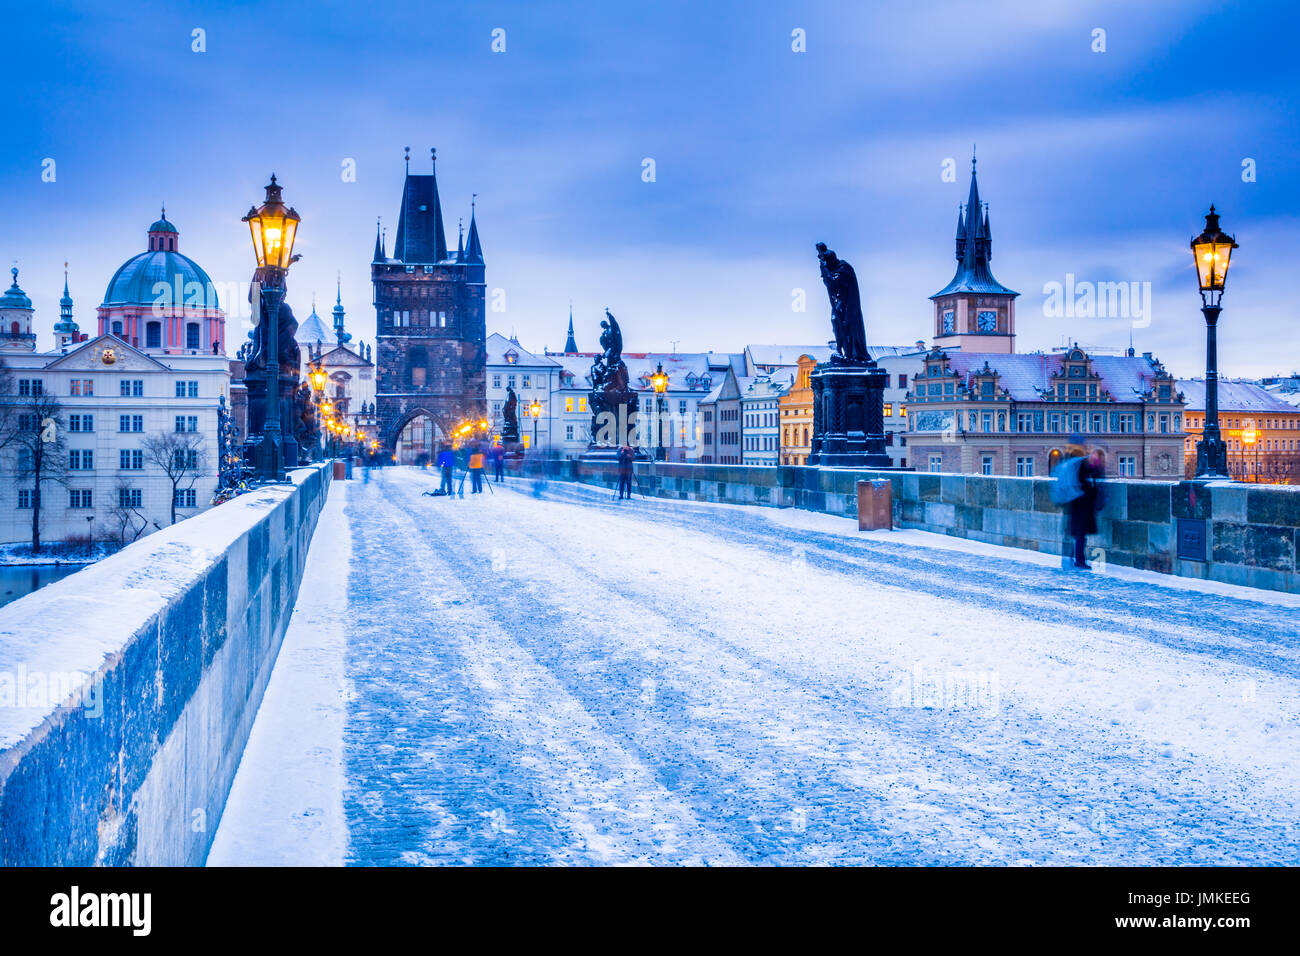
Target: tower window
{"points": [[153, 335], [192, 335]]}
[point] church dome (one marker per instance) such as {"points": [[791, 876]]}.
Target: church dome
{"points": [[134, 281], [14, 297], [313, 331]]}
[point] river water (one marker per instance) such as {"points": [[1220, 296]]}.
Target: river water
{"points": [[21, 579]]}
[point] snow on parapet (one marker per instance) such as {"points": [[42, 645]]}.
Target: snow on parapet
{"points": [[60, 635]]}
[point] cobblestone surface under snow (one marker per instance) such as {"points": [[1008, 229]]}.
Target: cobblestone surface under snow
{"points": [[572, 679]]}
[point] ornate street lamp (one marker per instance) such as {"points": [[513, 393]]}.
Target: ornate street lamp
{"points": [[660, 381], [273, 226], [1213, 251], [535, 409]]}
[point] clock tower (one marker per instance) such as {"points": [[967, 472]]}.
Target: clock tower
{"points": [[974, 312]]}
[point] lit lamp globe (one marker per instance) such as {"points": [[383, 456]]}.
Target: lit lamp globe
{"points": [[317, 376], [1212, 250], [274, 226], [660, 379]]}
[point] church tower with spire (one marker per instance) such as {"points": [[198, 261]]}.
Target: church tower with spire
{"points": [[430, 305], [570, 343], [66, 333], [974, 312]]}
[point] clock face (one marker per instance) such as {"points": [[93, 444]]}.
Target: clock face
{"points": [[988, 321], [949, 322]]}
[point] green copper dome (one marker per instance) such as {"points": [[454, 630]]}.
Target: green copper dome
{"points": [[133, 283], [15, 298]]}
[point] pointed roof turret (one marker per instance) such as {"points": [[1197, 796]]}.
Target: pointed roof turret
{"points": [[379, 245], [340, 334], [473, 251], [974, 248], [460, 241], [66, 324], [420, 235], [570, 344]]}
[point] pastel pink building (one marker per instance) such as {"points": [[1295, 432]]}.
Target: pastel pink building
{"points": [[162, 301]]}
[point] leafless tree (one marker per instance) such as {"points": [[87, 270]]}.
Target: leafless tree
{"points": [[31, 433], [125, 522], [181, 457]]}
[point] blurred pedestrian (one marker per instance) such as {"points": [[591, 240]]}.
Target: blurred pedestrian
{"points": [[476, 470], [447, 463], [1078, 487], [625, 458], [498, 464]]}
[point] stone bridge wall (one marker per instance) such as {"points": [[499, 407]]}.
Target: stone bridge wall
{"points": [[128, 689], [1250, 533]]}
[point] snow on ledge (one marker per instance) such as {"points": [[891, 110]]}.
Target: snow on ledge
{"points": [[60, 635]]}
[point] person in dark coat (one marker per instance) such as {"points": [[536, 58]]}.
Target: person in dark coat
{"points": [[625, 458], [1083, 509], [446, 462], [498, 464]]}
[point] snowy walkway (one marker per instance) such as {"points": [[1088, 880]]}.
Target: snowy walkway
{"points": [[572, 679]]}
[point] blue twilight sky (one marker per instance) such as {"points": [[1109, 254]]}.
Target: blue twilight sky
{"points": [[1097, 165]]}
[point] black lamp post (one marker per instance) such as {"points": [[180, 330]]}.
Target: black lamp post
{"points": [[273, 226], [535, 409], [660, 382], [1213, 250]]}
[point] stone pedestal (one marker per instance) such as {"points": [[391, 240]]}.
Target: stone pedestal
{"points": [[849, 416], [613, 423]]}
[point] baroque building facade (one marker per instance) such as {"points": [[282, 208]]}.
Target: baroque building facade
{"points": [[977, 413], [112, 398], [976, 406], [430, 314]]}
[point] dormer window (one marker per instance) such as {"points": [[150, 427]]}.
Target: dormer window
{"points": [[512, 357]]}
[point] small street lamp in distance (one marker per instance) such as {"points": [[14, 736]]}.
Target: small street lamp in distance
{"points": [[660, 382], [1212, 250], [535, 410]]}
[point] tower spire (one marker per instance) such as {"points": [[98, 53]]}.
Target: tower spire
{"points": [[379, 249], [65, 330], [570, 344], [460, 240], [339, 333], [420, 236], [474, 250]]}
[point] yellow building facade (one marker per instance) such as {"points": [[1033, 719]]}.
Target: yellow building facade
{"points": [[796, 409]]}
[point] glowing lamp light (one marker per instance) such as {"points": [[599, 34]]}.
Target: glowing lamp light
{"points": [[535, 409], [1249, 435], [274, 226], [317, 376], [660, 379], [1213, 252]]}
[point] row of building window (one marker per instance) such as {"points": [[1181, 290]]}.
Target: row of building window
{"points": [[126, 498], [423, 318], [760, 443], [1025, 465], [1275, 423]]}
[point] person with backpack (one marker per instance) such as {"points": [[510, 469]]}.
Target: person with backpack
{"points": [[476, 470], [625, 458], [498, 464], [1077, 487]]}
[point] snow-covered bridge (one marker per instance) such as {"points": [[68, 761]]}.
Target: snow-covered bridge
{"points": [[548, 675]]}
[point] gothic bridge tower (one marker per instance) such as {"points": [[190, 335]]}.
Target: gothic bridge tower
{"points": [[430, 311]]}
